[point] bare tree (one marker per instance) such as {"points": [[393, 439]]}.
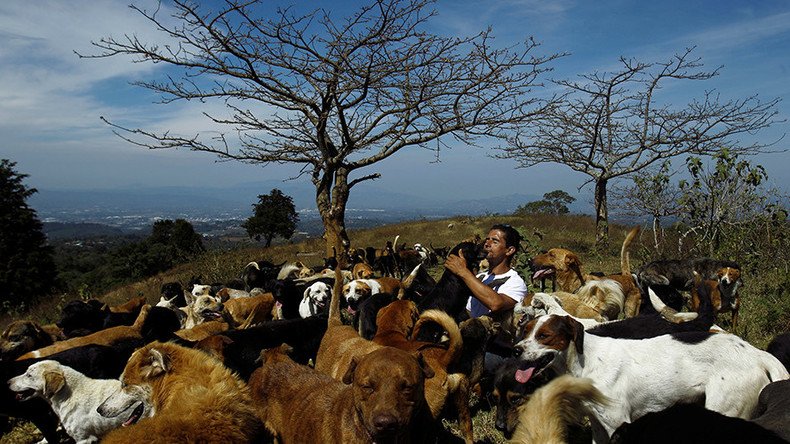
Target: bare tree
{"points": [[613, 124], [651, 193], [346, 94]]}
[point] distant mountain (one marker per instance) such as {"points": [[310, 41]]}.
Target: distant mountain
{"points": [[236, 202]]}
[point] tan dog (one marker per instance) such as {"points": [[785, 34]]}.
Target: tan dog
{"points": [[21, 337], [719, 300], [379, 400], [567, 268], [192, 397], [203, 330], [200, 309], [107, 336], [245, 312], [362, 270], [132, 306], [545, 417]]}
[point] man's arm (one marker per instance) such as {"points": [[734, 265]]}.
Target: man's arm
{"points": [[485, 294]]}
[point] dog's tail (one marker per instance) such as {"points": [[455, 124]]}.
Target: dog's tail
{"points": [[253, 264], [287, 270], [138, 322], [625, 263], [563, 401], [406, 283], [669, 313], [455, 343], [605, 295]]}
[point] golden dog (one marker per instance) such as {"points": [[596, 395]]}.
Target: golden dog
{"points": [[252, 310], [192, 397], [567, 268], [362, 270], [380, 399]]}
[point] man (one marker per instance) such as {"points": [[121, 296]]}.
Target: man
{"points": [[496, 291], [500, 288]]}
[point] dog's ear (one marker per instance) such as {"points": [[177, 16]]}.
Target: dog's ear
{"points": [[348, 378], [578, 335], [572, 261], [53, 382], [306, 294], [158, 363], [427, 371], [189, 297]]}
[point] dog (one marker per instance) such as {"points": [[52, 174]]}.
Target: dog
{"points": [[358, 290], [729, 382], [475, 334], [563, 402], [20, 337], [773, 409], [73, 397], [451, 293], [362, 270], [668, 277], [201, 307], [170, 393], [401, 319], [173, 292], [512, 387], [244, 312], [364, 320], [132, 306], [692, 424], [380, 399], [240, 349], [153, 323], [566, 267], [780, 347], [315, 300]]}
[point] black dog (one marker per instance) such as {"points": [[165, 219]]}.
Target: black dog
{"points": [[780, 347], [240, 349], [260, 274], [670, 276], [451, 293], [773, 408], [692, 424], [365, 316], [514, 381], [80, 318], [173, 292]]}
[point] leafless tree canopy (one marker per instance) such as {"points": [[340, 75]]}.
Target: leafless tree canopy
{"points": [[613, 124], [333, 95]]}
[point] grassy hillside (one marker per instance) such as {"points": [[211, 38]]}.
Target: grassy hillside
{"points": [[765, 297]]}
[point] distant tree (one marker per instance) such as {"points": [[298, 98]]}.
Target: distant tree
{"points": [[554, 202], [27, 268], [273, 215], [724, 194], [180, 235], [650, 193], [334, 95], [614, 124]]}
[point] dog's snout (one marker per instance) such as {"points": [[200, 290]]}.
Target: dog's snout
{"points": [[500, 425], [385, 422], [517, 351]]}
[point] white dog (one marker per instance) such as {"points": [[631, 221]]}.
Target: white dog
{"points": [[648, 375], [315, 299], [358, 290], [73, 396]]}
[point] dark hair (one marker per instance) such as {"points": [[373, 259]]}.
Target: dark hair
{"points": [[512, 238]]}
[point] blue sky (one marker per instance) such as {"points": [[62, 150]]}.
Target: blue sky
{"points": [[50, 100]]}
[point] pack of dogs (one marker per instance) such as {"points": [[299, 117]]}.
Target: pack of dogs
{"points": [[383, 352]]}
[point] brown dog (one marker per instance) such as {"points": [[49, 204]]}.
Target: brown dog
{"points": [[721, 302], [132, 306], [362, 270], [395, 324], [21, 337], [380, 400], [251, 310], [567, 267], [180, 395], [107, 336]]}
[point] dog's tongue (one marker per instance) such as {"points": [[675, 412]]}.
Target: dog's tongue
{"points": [[522, 376], [540, 273], [351, 310]]}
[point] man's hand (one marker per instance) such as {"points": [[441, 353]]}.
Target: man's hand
{"points": [[456, 264]]}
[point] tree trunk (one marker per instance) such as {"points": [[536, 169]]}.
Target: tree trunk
{"points": [[331, 199], [601, 214], [269, 238], [656, 228]]}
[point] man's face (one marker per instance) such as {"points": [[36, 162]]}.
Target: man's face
{"points": [[495, 247]]}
